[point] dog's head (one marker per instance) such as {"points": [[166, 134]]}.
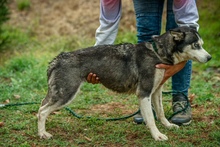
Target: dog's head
{"points": [[185, 43]]}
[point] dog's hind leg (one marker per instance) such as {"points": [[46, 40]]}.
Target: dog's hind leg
{"points": [[158, 107], [55, 99], [146, 111], [43, 112]]}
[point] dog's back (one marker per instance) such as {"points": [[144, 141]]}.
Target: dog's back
{"points": [[118, 66]]}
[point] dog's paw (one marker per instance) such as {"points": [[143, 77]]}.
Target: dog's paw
{"points": [[171, 126], [160, 137], [45, 135]]}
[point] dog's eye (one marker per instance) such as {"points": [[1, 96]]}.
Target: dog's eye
{"points": [[196, 45]]}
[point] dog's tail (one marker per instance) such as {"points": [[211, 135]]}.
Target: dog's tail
{"points": [[51, 67]]}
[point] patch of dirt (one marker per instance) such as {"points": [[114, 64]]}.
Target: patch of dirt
{"points": [[198, 115], [108, 110], [62, 18], [111, 107]]}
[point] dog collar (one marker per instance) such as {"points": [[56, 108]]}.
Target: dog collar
{"points": [[154, 46], [166, 61]]}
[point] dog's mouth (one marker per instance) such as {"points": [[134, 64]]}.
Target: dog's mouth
{"points": [[201, 56], [203, 60]]}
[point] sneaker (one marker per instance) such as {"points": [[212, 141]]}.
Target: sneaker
{"points": [[180, 106], [138, 119]]}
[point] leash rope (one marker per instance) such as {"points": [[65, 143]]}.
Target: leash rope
{"points": [[187, 102], [106, 119]]}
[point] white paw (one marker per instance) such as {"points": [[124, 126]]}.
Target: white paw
{"points": [[160, 137], [171, 126], [45, 135]]}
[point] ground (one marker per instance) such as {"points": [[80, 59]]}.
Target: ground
{"points": [[59, 18], [69, 17], [48, 18]]}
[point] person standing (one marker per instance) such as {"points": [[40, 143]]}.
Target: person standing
{"points": [[148, 22]]}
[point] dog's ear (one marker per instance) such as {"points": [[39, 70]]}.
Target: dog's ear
{"points": [[155, 37], [177, 36]]}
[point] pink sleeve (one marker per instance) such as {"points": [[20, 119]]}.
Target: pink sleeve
{"points": [[110, 14], [186, 13]]}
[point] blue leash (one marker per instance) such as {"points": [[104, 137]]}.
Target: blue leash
{"points": [[106, 119]]}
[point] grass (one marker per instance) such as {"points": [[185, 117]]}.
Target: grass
{"points": [[23, 66]]}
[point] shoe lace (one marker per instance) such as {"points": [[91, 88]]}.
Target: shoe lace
{"points": [[180, 106]]}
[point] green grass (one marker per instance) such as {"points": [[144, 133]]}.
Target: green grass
{"points": [[209, 30], [23, 4], [23, 66]]}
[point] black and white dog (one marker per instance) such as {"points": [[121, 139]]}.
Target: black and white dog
{"points": [[122, 68]]}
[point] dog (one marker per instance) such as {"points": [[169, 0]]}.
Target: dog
{"points": [[122, 68]]}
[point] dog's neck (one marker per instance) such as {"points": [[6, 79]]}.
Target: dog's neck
{"points": [[160, 54]]}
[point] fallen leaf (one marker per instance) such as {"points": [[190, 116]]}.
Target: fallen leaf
{"points": [[1, 124], [7, 101], [16, 96], [89, 139], [191, 98], [56, 112]]}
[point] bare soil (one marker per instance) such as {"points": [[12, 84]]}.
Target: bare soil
{"points": [[62, 18]]}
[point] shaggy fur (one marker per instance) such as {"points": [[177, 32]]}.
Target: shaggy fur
{"points": [[122, 68]]}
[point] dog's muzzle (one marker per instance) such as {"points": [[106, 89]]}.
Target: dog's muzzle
{"points": [[209, 58]]}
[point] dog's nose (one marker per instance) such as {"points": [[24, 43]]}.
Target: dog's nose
{"points": [[209, 58]]}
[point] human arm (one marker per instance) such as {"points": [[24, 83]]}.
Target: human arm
{"points": [[170, 70]]}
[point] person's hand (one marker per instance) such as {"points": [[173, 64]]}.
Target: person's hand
{"points": [[170, 70], [92, 78]]}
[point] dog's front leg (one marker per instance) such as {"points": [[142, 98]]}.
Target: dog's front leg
{"points": [[146, 111], [158, 107]]}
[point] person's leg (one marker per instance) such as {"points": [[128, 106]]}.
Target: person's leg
{"points": [[181, 83], [170, 20], [110, 14], [148, 22], [148, 18], [181, 80]]}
